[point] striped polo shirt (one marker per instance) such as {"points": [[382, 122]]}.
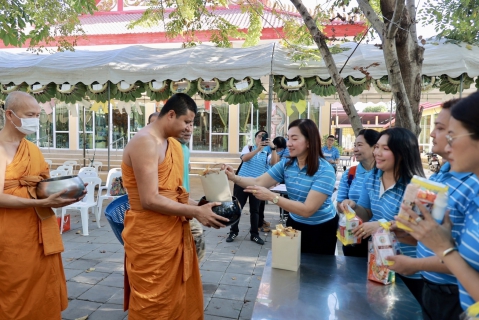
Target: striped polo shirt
{"points": [[463, 187], [298, 184], [255, 166], [469, 247], [385, 204], [186, 166], [330, 154], [353, 191]]}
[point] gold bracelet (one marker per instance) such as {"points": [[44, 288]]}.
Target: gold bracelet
{"points": [[448, 251]]}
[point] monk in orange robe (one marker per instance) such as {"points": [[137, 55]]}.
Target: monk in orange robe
{"points": [[162, 278], [32, 281]]}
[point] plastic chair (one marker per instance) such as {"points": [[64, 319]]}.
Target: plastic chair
{"points": [[115, 214], [68, 169], [112, 174], [87, 172], [57, 173], [49, 163], [85, 204], [72, 163], [97, 165]]}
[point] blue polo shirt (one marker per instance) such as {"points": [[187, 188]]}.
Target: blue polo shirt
{"points": [[298, 184], [353, 191], [257, 165], [463, 187], [469, 247], [186, 166], [330, 154], [385, 205]]}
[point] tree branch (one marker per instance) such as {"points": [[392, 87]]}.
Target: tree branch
{"points": [[394, 23], [373, 18], [411, 6]]}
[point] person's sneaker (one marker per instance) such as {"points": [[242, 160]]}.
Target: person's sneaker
{"points": [[266, 223], [265, 229], [231, 237], [256, 239]]}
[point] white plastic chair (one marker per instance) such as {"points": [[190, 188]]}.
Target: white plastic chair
{"points": [[68, 169], [104, 192], [85, 171], [57, 173], [89, 201], [97, 165], [72, 163], [49, 163]]}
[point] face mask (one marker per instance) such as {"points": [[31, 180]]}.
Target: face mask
{"points": [[29, 125]]}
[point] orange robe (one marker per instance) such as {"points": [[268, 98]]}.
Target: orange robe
{"points": [[162, 277], [32, 280]]}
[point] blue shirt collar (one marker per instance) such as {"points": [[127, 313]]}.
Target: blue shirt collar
{"points": [[360, 169], [446, 169]]}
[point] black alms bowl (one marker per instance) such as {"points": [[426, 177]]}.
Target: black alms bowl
{"points": [[229, 209]]}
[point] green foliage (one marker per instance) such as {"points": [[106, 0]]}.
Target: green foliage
{"points": [[356, 86], [453, 19], [375, 109], [160, 94], [453, 85], [75, 94], [321, 87], [255, 11], [39, 22]]}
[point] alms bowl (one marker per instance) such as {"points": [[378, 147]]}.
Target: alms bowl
{"points": [[228, 209], [73, 185]]}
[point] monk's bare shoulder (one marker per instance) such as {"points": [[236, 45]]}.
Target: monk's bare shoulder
{"points": [[144, 145]]}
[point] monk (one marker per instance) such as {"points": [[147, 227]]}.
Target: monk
{"points": [[162, 278], [32, 280]]}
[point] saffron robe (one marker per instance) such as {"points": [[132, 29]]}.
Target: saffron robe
{"points": [[162, 277], [32, 280]]}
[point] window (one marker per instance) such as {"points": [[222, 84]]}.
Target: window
{"points": [[220, 127], [201, 130], [62, 135]]}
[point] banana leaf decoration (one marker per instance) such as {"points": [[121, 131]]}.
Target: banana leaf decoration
{"points": [[160, 94], [191, 87], [321, 87], [382, 85], [211, 94], [101, 95], [69, 93], [453, 85], [356, 86], [243, 95], [43, 93], [6, 88], [132, 93], [287, 92]]}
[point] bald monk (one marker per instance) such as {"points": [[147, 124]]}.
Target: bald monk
{"points": [[162, 278], [32, 281]]}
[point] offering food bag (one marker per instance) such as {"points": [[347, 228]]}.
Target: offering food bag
{"points": [[215, 185], [472, 313], [382, 244], [286, 248], [348, 221], [433, 195]]}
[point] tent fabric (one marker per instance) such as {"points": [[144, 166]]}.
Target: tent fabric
{"points": [[143, 63]]}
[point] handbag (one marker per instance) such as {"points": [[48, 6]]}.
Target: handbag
{"points": [[117, 188]]}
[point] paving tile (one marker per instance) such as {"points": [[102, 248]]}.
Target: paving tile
{"points": [[211, 276], [258, 270], [70, 245], [79, 308], [108, 312], [90, 277], [117, 298], [210, 317], [206, 300], [225, 257], [87, 246], [116, 257], [113, 280], [97, 254], [255, 281], [108, 266], [241, 268], [83, 239], [99, 293], [112, 247], [75, 289], [81, 264], [247, 310], [224, 308], [251, 294], [215, 266], [230, 292], [235, 279], [105, 239], [70, 273], [74, 254], [209, 288]]}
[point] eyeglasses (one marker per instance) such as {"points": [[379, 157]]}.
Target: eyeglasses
{"points": [[450, 138]]}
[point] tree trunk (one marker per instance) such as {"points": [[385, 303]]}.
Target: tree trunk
{"points": [[319, 39]]}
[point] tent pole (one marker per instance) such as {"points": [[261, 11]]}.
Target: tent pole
{"points": [[110, 125], [270, 105], [84, 137]]}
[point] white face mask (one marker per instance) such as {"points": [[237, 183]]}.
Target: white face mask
{"points": [[29, 125]]}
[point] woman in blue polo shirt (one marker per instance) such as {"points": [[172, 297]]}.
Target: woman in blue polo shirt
{"points": [[397, 160], [309, 180], [463, 154], [352, 180]]}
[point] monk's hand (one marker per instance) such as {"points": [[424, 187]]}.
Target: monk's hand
{"points": [[229, 171], [57, 201], [208, 218]]}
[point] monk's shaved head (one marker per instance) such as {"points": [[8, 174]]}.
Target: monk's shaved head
{"points": [[17, 100]]}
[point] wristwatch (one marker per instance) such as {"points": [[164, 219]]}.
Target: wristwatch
{"points": [[273, 149], [276, 199]]}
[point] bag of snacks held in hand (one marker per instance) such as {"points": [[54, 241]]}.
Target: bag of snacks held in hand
{"points": [[382, 244], [472, 313], [433, 195], [286, 248], [348, 221]]}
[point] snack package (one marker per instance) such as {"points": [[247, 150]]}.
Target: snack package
{"points": [[215, 185], [382, 244], [348, 221], [430, 193], [286, 248], [472, 313]]}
